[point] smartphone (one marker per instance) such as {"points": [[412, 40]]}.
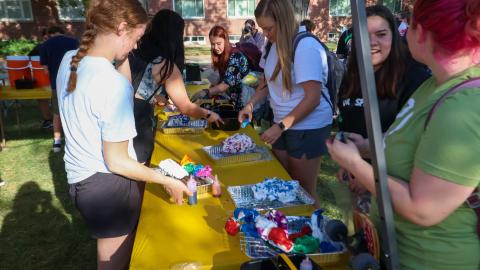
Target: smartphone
{"points": [[341, 136]]}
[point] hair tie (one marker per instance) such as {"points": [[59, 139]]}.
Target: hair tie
{"points": [[73, 69]]}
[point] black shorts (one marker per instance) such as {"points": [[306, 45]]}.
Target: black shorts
{"points": [[310, 142], [143, 142], [109, 204]]}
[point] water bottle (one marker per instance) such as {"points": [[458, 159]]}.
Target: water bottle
{"points": [[192, 186], [306, 264]]}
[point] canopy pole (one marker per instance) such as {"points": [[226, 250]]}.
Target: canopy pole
{"points": [[374, 131]]}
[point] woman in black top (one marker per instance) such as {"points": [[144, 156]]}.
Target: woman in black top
{"points": [[155, 71], [397, 76]]}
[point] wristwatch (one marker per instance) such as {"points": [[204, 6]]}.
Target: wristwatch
{"points": [[282, 126], [209, 113]]}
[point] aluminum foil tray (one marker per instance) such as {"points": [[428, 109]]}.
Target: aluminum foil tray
{"points": [[257, 248], [243, 198], [215, 153], [194, 127]]}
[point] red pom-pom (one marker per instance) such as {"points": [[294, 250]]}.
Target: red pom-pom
{"points": [[232, 227]]}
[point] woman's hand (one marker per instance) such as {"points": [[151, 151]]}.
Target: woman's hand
{"points": [[353, 184], [215, 118], [246, 113], [344, 154], [361, 143], [176, 189], [272, 134]]}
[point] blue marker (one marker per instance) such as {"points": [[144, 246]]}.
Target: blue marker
{"points": [[245, 123]]}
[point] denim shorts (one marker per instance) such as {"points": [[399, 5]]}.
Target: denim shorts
{"points": [[109, 203], [310, 142]]}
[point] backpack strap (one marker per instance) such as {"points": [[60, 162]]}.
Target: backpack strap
{"points": [[475, 82], [298, 37], [473, 201], [268, 47]]}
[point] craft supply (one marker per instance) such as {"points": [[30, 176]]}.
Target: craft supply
{"points": [[232, 226], [238, 143], [216, 188], [306, 264], [245, 123], [172, 168], [192, 186]]}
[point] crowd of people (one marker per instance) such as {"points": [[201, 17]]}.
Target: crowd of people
{"points": [[106, 90]]}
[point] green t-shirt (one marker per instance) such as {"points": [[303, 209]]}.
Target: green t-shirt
{"points": [[450, 149]]}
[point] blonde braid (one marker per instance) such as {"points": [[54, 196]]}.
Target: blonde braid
{"points": [[87, 40]]}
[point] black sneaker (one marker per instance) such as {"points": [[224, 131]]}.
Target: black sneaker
{"points": [[57, 147], [47, 124]]}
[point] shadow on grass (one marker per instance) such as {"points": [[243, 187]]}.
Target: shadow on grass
{"points": [[35, 234]]}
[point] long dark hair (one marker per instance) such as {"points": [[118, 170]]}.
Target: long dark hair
{"points": [[220, 62], [391, 71], [164, 37]]}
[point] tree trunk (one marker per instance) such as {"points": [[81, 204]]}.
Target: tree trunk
{"points": [[301, 8]]}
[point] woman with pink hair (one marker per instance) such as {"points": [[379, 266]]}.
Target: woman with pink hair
{"points": [[432, 151]]}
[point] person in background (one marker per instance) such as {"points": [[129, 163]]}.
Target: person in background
{"points": [[309, 25], [432, 156], [232, 65], [154, 68], [43, 104], [51, 54], [344, 45], [397, 76], [96, 108], [302, 116], [251, 34], [403, 27]]}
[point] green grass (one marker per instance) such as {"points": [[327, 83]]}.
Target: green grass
{"points": [[197, 51], [39, 226]]}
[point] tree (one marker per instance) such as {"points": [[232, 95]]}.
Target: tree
{"points": [[301, 8]]}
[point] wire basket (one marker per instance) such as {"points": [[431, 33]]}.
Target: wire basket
{"points": [[259, 153], [243, 197], [257, 248], [193, 127]]}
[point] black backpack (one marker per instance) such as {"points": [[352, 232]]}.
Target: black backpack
{"points": [[335, 68]]}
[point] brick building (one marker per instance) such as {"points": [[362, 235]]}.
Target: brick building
{"points": [[26, 18]]}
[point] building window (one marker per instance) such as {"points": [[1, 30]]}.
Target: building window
{"points": [[71, 10], [241, 8], [394, 5], [333, 37], [16, 10], [339, 8], [194, 40], [189, 8], [234, 38]]}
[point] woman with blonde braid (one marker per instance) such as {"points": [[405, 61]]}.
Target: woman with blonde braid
{"points": [[96, 109], [302, 118]]}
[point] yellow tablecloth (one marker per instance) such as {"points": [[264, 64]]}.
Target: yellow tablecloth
{"points": [[7, 92], [168, 234]]}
